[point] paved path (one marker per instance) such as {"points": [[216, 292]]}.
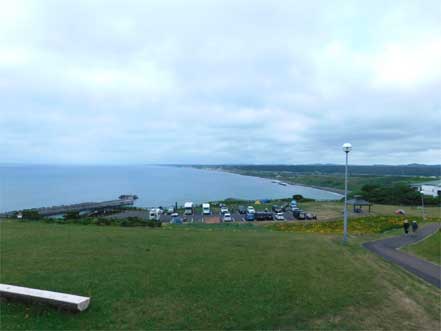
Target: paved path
{"points": [[387, 248]]}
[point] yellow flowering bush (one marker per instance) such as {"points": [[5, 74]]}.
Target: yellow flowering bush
{"points": [[364, 225]]}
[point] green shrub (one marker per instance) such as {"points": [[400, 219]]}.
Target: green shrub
{"points": [[102, 221], [84, 221], [153, 224], [301, 198], [72, 215], [399, 194], [362, 225], [31, 214]]}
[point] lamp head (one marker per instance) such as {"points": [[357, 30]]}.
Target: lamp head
{"points": [[347, 147]]}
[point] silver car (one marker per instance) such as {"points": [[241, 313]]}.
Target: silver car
{"points": [[227, 218]]}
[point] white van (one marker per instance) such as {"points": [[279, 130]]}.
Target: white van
{"points": [[206, 209], [251, 210], [155, 214], [188, 208]]}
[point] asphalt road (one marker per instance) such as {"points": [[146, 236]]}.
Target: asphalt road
{"points": [[388, 249]]}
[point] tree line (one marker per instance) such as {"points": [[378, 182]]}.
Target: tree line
{"points": [[398, 194]]}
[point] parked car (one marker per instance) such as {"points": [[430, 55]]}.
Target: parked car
{"points": [[279, 217], [296, 212], [250, 217], [310, 216], [170, 210], [242, 210], [224, 210], [177, 220], [301, 216], [227, 218], [251, 210], [264, 216], [174, 215], [276, 209]]}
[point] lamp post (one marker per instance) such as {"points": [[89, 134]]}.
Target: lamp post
{"points": [[347, 147], [422, 205]]}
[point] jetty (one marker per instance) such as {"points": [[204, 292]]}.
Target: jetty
{"points": [[122, 201]]}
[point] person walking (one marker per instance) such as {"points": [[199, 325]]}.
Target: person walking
{"points": [[414, 226], [406, 226]]}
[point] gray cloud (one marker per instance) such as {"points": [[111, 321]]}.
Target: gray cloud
{"points": [[219, 81]]}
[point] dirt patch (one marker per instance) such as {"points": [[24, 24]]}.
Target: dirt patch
{"points": [[211, 219]]}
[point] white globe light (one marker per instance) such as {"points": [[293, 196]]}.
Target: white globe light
{"points": [[347, 147]]}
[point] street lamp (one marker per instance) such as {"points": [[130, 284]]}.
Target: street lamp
{"points": [[347, 147]]}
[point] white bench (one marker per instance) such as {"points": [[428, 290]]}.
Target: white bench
{"points": [[61, 300]]}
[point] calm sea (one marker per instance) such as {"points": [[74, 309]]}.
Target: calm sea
{"points": [[38, 186]]}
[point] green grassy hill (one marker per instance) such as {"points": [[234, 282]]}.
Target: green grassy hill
{"points": [[208, 278], [429, 248]]}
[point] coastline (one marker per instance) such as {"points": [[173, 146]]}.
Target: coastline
{"points": [[321, 188]]}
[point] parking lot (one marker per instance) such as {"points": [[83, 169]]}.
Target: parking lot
{"points": [[236, 211], [214, 218]]}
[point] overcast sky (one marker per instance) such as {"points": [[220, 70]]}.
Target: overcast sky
{"points": [[220, 81]]}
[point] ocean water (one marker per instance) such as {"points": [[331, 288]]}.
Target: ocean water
{"points": [[41, 186]]}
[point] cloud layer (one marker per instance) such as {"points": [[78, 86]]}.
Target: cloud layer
{"points": [[219, 81]]}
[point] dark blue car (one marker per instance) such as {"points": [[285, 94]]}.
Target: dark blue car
{"points": [[250, 217]]}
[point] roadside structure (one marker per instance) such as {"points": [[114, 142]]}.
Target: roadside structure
{"points": [[357, 204]]}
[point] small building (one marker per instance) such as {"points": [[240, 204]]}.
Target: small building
{"points": [[432, 188], [357, 204]]}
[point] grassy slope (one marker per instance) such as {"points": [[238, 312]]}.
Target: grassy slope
{"points": [[430, 248], [204, 278]]}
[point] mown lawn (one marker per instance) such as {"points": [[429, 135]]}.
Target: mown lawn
{"points": [[208, 278], [328, 210], [429, 249]]}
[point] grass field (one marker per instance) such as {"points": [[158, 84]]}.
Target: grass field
{"points": [[334, 210], [208, 277], [429, 249]]}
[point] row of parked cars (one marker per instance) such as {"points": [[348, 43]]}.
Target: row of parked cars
{"points": [[250, 214]]}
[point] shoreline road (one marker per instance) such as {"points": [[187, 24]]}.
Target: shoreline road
{"points": [[388, 249]]}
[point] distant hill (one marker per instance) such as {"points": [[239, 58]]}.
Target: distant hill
{"points": [[379, 170]]}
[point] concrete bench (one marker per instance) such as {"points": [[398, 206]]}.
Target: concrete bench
{"points": [[61, 300]]}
